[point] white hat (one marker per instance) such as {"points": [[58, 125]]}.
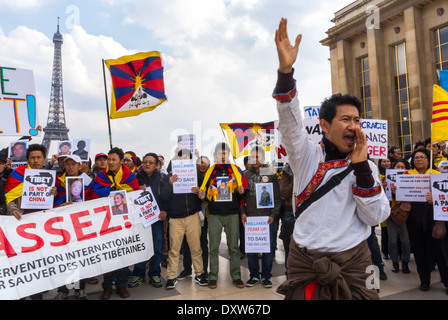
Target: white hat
{"points": [[74, 157]]}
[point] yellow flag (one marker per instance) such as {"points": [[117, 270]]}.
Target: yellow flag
{"points": [[439, 131]]}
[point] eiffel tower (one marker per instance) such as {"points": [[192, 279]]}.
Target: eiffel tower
{"points": [[56, 128]]}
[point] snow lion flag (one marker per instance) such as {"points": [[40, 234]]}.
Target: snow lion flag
{"points": [[242, 137], [439, 130], [137, 84]]}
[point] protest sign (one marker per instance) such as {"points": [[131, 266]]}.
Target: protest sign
{"points": [[188, 142], [146, 205], [264, 195], [18, 103], [186, 170], [256, 232], [17, 153], [75, 189], [412, 187], [439, 190], [376, 134], [47, 250], [36, 189], [391, 179], [81, 148]]}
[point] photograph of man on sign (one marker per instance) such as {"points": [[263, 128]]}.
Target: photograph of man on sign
{"points": [[117, 201]]}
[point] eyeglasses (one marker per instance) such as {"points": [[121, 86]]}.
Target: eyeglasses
{"points": [[420, 158], [149, 162]]}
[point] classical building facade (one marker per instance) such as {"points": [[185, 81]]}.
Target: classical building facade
{"points": [[387, 52]]}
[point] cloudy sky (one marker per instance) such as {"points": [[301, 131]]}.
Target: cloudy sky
{"points": [[219, 57]]}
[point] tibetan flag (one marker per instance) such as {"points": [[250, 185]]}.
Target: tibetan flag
{"points": [[443, 79], [14, 184], [439, 130], [105, 182], [242, 137], [137, 84]]}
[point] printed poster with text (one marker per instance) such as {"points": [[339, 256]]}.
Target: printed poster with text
{"points": [[18, 103], [36, 189], [439, 189], [256, 233]]}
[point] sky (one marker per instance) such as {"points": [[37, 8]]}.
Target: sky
{"points": [[219, 56]]}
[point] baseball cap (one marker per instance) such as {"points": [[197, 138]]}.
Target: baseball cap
{"points": [[74, 157], [99, 155]]}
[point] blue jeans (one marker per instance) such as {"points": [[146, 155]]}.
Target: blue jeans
{"points": [[267, 259], [393, 230], [156, 259]]}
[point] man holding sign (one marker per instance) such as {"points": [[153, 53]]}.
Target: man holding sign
{"points": [[35, 157], [185, 215], [260, 174]]}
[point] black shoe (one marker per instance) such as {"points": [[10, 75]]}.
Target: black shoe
{"points": [[424, 287], [395, 267], [201, 280], [405, 267], [170, 284], [383, 275]]}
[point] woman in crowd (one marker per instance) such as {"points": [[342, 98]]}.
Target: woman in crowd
{"points": [[398, 234], [419, 225]]}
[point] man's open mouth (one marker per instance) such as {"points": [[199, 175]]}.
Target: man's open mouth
{"points": [[349, 139]]}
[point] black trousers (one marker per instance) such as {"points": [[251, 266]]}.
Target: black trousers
{"points": [[427, 249]]}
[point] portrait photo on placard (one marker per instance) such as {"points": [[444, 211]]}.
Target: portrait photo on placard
{"points": [[265, 195], [224, 194], [64, 148], [118, 202], [75, 189], [80, 147], [17, 150]]}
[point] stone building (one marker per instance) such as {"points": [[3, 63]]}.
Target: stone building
{"points": [[387, 52]]}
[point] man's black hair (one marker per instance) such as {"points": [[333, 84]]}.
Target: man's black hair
{"points": [[183, 152], [221, 146], [328, 107], [36, 147], [259, 150], [118, 152], [154, 155]]}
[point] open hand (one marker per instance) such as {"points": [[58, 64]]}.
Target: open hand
{"points": [[287, 54]]}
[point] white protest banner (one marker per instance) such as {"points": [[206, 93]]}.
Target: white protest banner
{"points": [[146, 205], [391, 179], [412, 187], [376, 134], [186, 170], [46, 250], [18, 103], [439, 190], [256, 232], [36, 189]]}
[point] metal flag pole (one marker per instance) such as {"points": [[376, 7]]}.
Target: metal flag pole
{"points": [[107, 105]]}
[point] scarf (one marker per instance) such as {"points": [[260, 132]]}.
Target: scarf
{"points": [[236, 179], [14, 184], [105, 181]]}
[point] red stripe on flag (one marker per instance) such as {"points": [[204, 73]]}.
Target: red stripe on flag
{"points": [[439, 119], [438, 103], [439, 111]]}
